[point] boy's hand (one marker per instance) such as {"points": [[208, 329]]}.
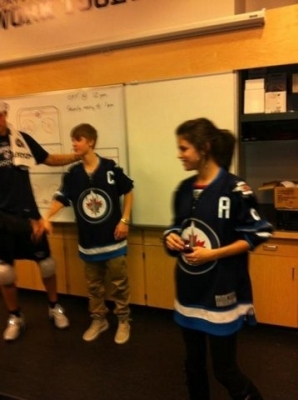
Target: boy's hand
{"points": [[37, 229], [48, 226], [121, 231]]}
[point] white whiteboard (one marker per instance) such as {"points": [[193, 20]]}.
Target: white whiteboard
{"points": [[154, 110], [49, 118]]}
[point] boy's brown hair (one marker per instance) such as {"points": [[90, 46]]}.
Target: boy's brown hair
{"points": [[84, 130]]}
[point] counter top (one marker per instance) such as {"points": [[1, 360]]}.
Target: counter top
{"points": [[285, 235]]}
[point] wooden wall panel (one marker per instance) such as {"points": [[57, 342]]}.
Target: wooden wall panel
{"points": [[275, 44]]}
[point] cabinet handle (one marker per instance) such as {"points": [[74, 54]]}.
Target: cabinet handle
{"points": [[293, 273], [270, 247]]}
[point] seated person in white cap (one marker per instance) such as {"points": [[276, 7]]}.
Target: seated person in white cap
{"points": [[18, 152]]}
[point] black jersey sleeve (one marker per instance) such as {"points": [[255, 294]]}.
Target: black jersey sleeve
{"points": [[38, 152], [62, 194], [250, 224], [124, 183]]}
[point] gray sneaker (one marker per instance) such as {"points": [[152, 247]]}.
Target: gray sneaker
{"points": [[15, 325], [58, 316], [98, 325], [123, 332]]}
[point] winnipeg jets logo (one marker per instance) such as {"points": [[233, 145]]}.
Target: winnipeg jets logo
{"points": [[94, 205], [191, 237], [196, 233]]}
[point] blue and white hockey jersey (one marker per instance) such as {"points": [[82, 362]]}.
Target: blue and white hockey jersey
{"points": [[216, 297], [96, 201]]}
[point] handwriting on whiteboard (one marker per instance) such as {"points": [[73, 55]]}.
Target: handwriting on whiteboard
{"points": [[89, 101]]}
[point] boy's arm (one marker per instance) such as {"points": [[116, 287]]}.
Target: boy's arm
{"points": [[127, 206], [122, 228], [55, 206], [53, 160]]}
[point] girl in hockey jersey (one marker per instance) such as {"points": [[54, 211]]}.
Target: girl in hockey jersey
{"points": [[216, 223], [94, 188]]}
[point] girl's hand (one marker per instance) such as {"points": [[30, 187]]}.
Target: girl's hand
{"points": [[200, 256], [174, 242]]}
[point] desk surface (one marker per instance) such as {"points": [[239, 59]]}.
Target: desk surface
{"points": [[285, 235]]}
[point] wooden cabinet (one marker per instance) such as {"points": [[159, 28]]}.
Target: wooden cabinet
{"points": [[27, 274], [57, 249], [136, 267], [159, 269], [150, 269], [268, 148], [274, 274], [76, 281]]}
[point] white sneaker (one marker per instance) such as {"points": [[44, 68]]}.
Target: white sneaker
{"points": [[15, 325], [58, 316], [123, 332], [98, 325]]}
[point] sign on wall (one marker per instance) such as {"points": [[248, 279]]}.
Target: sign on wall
{"points": [[39, 29]]}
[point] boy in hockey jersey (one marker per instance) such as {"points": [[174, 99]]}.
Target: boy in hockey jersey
{"points": [[94, 188], [216, 223]]}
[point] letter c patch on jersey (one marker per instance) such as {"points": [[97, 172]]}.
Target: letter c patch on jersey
{"points": [[110, 177]]}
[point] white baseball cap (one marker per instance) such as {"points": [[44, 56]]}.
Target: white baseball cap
{"points": [[3, 106]]}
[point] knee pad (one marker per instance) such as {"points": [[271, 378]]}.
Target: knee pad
{"points": [[7, 274], [47, 267]]}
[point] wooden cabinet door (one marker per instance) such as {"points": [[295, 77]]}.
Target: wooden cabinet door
{"points": [[57, 250], [74, 268], [159, 270], [274, 279], [159, 278], [136, 274], [26, 274]]}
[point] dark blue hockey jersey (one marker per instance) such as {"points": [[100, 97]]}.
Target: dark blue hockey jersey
{"points": [[216, 297], [96, 201]]}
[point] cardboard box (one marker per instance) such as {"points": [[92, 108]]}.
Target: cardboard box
{"points": [[286, 198], [285, 194], [275, 102]]}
